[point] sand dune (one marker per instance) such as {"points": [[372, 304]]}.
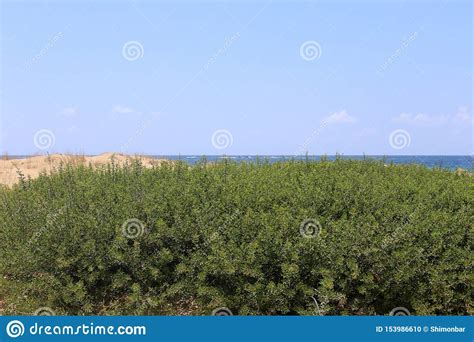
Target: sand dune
{"points": [[33, 166]]}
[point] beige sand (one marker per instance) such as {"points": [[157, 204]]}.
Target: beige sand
{"points": [[33, 166]]}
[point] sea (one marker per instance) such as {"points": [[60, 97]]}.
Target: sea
{"points": [[447, 162]]}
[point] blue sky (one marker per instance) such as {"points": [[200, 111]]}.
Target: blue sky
{"points": [[237, 77]]}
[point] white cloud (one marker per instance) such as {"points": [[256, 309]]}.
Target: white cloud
{"points": [[119, 109], [421, 119], [339, 117], [461, 116], [69, 111]]}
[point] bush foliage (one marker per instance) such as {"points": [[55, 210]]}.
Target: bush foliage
{"points": [[177, 239]]}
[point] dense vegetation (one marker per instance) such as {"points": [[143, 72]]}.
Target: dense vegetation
{"points": [[332, 238]]}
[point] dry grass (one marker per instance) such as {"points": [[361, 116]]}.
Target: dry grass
{"points": [[33, 166]]}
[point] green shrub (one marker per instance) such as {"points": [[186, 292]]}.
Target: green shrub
{"points": [[177, 239]]}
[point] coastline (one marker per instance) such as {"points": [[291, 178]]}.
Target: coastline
{"points": [[33, 166]]}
